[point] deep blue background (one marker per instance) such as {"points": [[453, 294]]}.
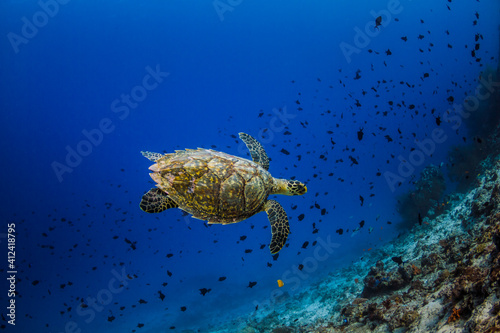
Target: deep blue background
{"points": [[223, 73]]}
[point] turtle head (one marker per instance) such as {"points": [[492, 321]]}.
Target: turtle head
{"points": [[289, 187]]}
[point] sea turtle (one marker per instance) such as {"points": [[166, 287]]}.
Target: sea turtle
{"points": [[220, 188]]}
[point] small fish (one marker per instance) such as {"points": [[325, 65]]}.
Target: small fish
{"points": [[419, 219], [280, 283], [356, 280], [360, 134], [251, 284], [357, 77], [203, 291], [397, 260], [378, 22]]}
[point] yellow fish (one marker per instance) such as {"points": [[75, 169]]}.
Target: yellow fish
{"points": [[280, 283]]}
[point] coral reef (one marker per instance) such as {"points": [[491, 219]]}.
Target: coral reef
{"points": [[456, 282]]}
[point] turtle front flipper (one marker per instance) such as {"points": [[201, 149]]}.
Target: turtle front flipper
{"points": [[257, 152], [156, 201], [279, 225]]}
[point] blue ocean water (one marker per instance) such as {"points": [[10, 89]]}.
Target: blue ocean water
{"points": [[87, 86]]}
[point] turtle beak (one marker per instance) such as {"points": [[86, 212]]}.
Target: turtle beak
{"points": [[302, 190], [154, 167]]}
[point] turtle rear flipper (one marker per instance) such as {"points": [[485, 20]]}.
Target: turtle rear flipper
{"points": [[279, 225], [156, 201], [257, 152], [153, 157]]}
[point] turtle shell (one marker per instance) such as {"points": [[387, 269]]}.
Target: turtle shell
{"points": [[212, 185]]}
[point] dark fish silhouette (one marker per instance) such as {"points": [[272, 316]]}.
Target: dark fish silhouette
{"points": [[397, 260], [378, 22], [357, 77], [203, 291], [360, 134]]}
